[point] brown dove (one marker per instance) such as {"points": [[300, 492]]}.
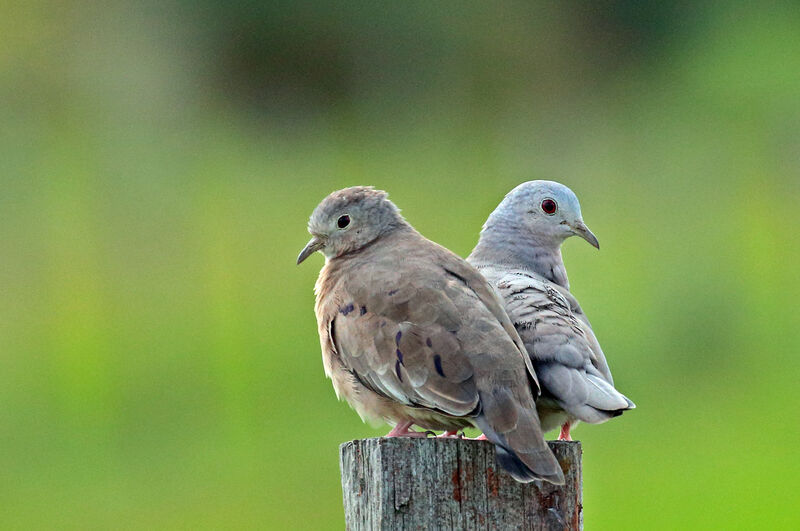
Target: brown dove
{"points": [[411, 334], [519, 252]]}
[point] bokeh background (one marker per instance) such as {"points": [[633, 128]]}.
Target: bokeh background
{"points": [[159, 361]]}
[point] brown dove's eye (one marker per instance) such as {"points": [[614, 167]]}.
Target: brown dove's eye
{"points": [[343, 222], [549, 207]]}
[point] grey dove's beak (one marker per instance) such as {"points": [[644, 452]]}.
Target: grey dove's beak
{"points": [[311, 247], [583, 231]]}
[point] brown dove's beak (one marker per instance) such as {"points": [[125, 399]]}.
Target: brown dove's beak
{"points": [[583, 231], [311, 247]]}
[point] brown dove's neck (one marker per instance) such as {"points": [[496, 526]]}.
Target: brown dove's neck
{"points": [[512, 247]]}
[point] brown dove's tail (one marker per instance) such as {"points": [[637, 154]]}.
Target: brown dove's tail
{"points": [[518, 439]]}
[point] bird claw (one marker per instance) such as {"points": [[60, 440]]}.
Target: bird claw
{"points": [[564, 435], [409, 434], [412, 434], [403, 430]]}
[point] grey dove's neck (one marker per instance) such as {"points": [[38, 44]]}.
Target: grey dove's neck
{"points": [[513, 247]]}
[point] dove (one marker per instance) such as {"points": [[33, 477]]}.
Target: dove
{"points": [[519, 252], [411, 334]]}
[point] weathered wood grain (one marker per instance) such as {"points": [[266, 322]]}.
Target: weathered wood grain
{"points": [[402, 483]]}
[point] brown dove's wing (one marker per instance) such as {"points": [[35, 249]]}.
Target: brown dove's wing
{"points": [[508, 413], [570, 365], [400, 342], [477, 283]]}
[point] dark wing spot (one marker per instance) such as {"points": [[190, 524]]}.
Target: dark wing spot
{"points": [[399, 356], [428, 342], [457, 276], [392, 292], [437, 362], [397, 338], [347, 309], [363, 310], [397, 370]]}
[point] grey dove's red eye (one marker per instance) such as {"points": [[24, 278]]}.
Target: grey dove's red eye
{"points": [[549, 207], [343, 222]]}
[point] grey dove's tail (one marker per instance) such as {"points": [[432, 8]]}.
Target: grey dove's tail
{"points": [[603, 402], [517, 435]]}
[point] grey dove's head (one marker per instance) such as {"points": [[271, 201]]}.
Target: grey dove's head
{"points": [[350, 219], [547, 209]]}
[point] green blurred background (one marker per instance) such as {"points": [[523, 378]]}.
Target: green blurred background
{"points": [[159, 360]]}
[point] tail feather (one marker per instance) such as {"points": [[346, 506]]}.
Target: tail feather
{"points": [[518, 438], [602, 403]]}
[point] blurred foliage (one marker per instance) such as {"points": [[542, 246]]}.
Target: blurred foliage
{"points": [[159, 363]]}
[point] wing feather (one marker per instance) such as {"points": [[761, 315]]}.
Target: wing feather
{"points": [[405, 346], [565, 353]]}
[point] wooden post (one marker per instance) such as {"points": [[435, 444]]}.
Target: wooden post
{"points": [[403, 483]]}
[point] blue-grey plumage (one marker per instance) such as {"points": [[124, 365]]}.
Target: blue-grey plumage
{"points": [[519, 252], [526, 230]]}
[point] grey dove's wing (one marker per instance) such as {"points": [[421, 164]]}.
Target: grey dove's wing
{"points": [[599, 359], [568, 360], [416, 331]]}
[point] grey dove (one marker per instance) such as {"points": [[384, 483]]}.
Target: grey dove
{"points": [[411, 334], [519, 252]]}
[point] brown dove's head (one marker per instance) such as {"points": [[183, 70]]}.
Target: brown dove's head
{"points": [[350, 219]]}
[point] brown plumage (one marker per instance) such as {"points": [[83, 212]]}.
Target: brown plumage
{"points": [[411, 333]]}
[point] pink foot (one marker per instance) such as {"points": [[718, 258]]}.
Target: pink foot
{"points": [[480, 437], [401, 429], [449, 434], [564, 435]]}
